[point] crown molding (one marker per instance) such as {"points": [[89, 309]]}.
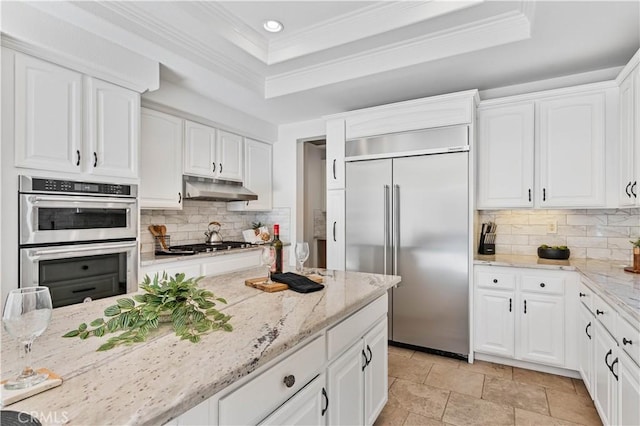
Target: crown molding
{"points": [[179, 42], [494, 31], [633, 62], [356, 25]]}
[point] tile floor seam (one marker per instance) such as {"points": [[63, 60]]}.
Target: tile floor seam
{"points": [[546, 395]]}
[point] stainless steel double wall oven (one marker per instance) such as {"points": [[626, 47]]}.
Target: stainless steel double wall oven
{"points": [[78, 238]]}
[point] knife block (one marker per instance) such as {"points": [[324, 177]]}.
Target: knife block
{"points": [[487, 243]]}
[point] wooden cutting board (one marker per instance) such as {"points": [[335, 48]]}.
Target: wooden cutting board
{"points": [[261, 283]]}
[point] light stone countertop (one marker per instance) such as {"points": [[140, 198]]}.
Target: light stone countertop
{"points": [[157, 380], [607, 278]]}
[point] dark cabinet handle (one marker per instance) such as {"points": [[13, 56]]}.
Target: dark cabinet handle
{"points": [[495, 281], [370, 355], [214, 167], [606, 357], [615, 361], [529, 194], [632, 191], [626, 190], [95, 160], [326, 402], [582, 294], [544, 194], [289, 380], [543, 285], [366, 361], [179, 197], [525, 306], [586, 330], [83, 290], [626, 342], [334, 169], [334, 231], [599, 312], [78, 157], [509, 304], [220, 167]]}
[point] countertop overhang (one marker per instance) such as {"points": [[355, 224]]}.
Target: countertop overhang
{"points": [[157, 380]]}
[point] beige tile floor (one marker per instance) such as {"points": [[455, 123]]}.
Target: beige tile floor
{"points": [[427, 390]]}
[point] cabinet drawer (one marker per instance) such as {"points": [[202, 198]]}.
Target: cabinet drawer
{"points": [[585, 294], [543, 284], [605, 314], [256, 399], [496, 280], [629, 339], [354, 327]]}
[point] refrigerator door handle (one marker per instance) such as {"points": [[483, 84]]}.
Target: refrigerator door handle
{"points": [[386, 228], [396, 227]]}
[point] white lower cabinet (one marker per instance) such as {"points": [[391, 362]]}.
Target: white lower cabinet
{"points": [[628, 391], [523, 314], [586, 330], [307, 407], [605, 389]]}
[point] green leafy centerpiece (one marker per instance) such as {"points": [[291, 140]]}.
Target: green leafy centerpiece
{"points": [[190, 310]]}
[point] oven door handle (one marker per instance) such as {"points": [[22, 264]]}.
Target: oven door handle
{"points": [[83, 248], [38, 199]]}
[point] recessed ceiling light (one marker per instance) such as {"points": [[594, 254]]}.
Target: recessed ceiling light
{"points": [[273, 26]]}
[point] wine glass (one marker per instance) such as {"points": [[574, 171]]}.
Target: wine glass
{"points": [[302, 254], [26, 316], [268, 257]]}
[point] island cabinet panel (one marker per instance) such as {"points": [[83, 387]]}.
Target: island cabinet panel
{"points": [[346, 387], [266, 392], [586, 330], [376, 372]]}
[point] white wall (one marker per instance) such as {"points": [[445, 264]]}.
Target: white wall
{"points": [[288, 180]]}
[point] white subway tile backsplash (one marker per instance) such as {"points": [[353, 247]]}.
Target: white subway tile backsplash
{"points": [[593, 233]]}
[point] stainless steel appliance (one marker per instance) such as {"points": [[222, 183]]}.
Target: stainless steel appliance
{"points": [[407, 213], [78, 238], [206, 247]]}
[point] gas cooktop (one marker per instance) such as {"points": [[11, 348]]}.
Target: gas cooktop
{"points": [[188, 249]]}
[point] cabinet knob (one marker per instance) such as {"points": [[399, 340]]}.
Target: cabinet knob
{"points": [[582, 294], [495, 281], [289, 380], [599, 312], [626, 342], [543, 285]]}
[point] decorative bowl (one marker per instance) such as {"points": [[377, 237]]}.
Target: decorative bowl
{"points": [[553, 253]]}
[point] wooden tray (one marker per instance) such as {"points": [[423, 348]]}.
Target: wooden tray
{"points": [[630, 269], [261, 283]]}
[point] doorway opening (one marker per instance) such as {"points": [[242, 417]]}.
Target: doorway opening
{"points": [[314, 206]]}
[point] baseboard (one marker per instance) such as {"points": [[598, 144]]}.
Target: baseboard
{"points": [[528, 365]]}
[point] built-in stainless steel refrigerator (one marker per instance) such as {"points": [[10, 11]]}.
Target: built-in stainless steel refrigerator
{"points": [[408, 215]]}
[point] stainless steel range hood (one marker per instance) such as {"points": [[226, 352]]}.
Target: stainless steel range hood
{"points": [[216, 190]]}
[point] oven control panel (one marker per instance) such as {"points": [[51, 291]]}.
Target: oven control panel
{"points": [[75, 187]]}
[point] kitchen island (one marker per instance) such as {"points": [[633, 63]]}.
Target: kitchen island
{"points": [[156, 381]]}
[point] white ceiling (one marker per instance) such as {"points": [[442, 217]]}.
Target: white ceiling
{"points": [[343, 55]]}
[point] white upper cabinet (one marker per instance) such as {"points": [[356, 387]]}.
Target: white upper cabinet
{"points": [[258, 176], [199, 150], [505, 156], [48, 116], [51, 113], [630, 139], [212, 153], [161, 161], [229, 149], [571, 139], [335, 154], [113, 117]]}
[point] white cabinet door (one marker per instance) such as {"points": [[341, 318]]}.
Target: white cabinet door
{"points": [[628, 391], [494, 322], [307, 407], [346, 387], [605, 388], [335, 154], [113, 129], [197, 416], [571, 139], [48, 116], [258, 176], [160, 161], [586, 347], [335, 229], [229, 148], [199, 150], [628, 142], [505, 156], [375, 373], [541, 330]]}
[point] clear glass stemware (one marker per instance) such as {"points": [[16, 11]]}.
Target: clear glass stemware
{"points": [[302, 254], [268, 256], [27, 313]]}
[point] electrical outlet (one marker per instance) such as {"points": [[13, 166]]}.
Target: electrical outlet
{"points": [[552, 227]]}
